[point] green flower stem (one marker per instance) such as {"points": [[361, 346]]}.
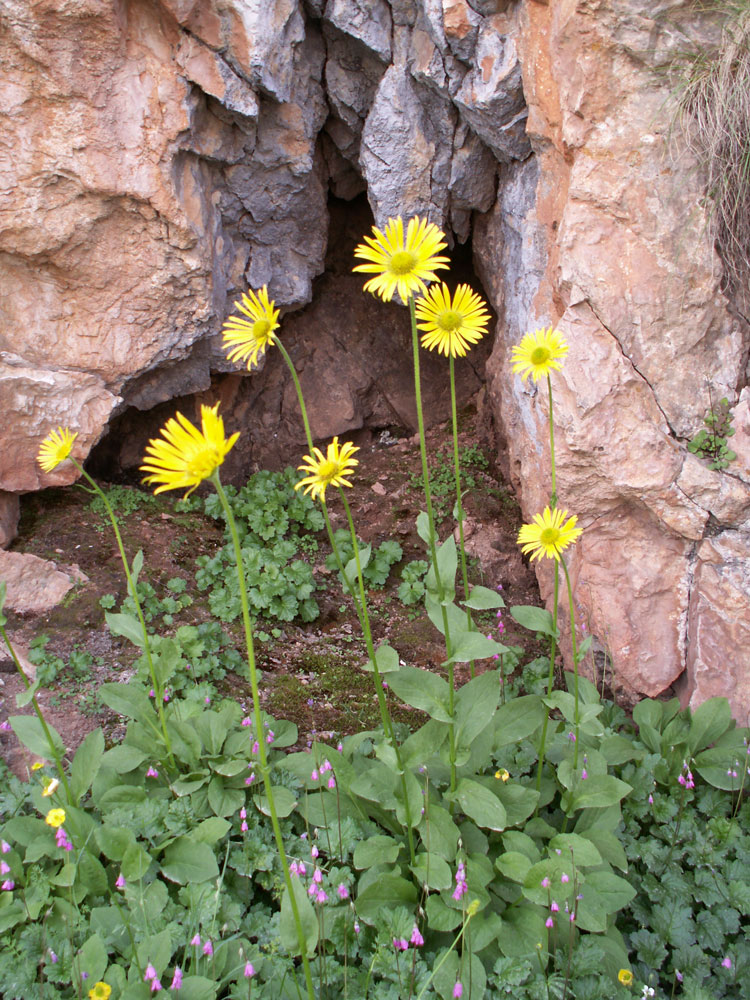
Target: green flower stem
{"points": [[575, 659], [134, 594], [42, 721], [550, 679], [553, 497], [433, 535], [384, 713], [459, 504], [470, 912], [259, 733]]}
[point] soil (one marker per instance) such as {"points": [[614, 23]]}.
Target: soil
{"points": [[311, 673]]}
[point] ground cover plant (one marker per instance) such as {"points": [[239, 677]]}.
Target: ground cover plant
{"points": [[520, 839]]}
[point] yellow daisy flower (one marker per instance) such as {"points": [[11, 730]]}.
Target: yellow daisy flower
{"points": [[451, 325], [539, 353], [55, 817], [184, 456], [402, 265], [625, 976], [100, 991], [549, 534], [55, 448], [50, 787], [327, 470], [247, 340], [37, 765]]}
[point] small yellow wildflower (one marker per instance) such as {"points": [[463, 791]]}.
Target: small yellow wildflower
{"points": [[625, 976], [472, 908], [100, 991], [502, 774], [184, 456], [451, 325], [401, 264], [539, 353], [327, 470], [50, 787], [55, 817], [549, 534], [245, 340], [37, 765], [55, 448]]}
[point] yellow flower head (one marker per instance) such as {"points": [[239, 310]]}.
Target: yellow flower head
{"points": [[55, 817], [245, 339], [55, 448], [100, 991], [539, 354], [50, 787], [549, 534], [327, 470], [451, 325], [184, 456], [625, 976], [502, 774], [37, 765], [401, 264]]}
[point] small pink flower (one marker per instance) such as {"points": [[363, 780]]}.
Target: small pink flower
{"points": [[247, 721], [5, 726], [343, 891], [155, 984], [314, 851], [120, 882], [650, 800], [302, 868], [332, 782], [208, 948], [315, 775], [293, 868], [549, 922], [176, 983], [458, 990], [553, 907], [249, 970], [584, 774], [166, 698], [149, 974], [340, 747], [317, 876], [195, 941], [8, 885], [416, 938], [4, 868], [207, 700], [270, 736], [52, 957], [243, 813], [244, 827], [564, 878], [152, 693], [256, 747], [321, 897], [4, 847], [727, 962], [357, 928], [152, 773], [545, 882]]}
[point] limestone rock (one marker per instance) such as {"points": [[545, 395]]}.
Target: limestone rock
{"points": [[34, 584], [369, 21]]}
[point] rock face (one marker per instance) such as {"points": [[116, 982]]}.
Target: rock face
{"points": [[159, 156]]}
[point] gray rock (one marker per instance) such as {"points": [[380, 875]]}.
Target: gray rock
{"points": [[35, 584], [369, 21], [472, 182], [352, 75]]}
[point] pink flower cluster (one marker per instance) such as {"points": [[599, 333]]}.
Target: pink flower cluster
{"points": [[461, 885]]}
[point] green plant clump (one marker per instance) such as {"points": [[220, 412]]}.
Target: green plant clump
{"points": [[124, 500], [711, 441], [376, 564]]}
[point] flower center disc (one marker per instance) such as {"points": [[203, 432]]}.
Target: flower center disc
{"points": [[327, 470], [449, 320], [261, 328], [201, 465], [403, 262], [549, 536], [540, 355]]}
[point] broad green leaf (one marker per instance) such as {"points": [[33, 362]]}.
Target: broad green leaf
{"points": [[130, 701], [211, 830], [479, 803], [471, 974], [523, 931], [91, 874], [617, 749], [30, 732], [513, 865], [388, 892], [284, 800], [418, 748], [475, 705], [648, 712], [124, 758], [718, 767], [597, 792], [534, 619], [440, 916], [473, 646], [122, 797], [113, 841], [710, 720], [519, 801], [376, 850], [137, 565], [432, 871], [409, 812], [386, 659], [439, 832], [579, 849], [23, 698], [198, 988], [186, 860], [308, 921], [603, 894], [482, 599], [518, 719], [421, 689], [92, 958], [86, 764], [135, 863], [439, 614], [125, 625], [423, 526]]}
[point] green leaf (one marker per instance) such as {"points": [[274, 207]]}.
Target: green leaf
{"points": [[476, 703], [376, 851], [30, 732], [471, 974], [423, 526], [513, 865], [421, 689], [92, 958], [710, 720], [432, 871], [479, 803], [648, 712], [534, 619], [24, 697], [198, 988], [579, 849], [125, 625], [598, 791], [473, 646], [518, 719], [718, 764], [386, 658], [211, 830], [187, 860], [113, 841], [440, 916], [130, 701], [284, 800], [386, 893], [439, 832], [86, 764], [519, 801], [447, 563], [482, 599], [135, 863], [523, 931], [124, 758]]}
